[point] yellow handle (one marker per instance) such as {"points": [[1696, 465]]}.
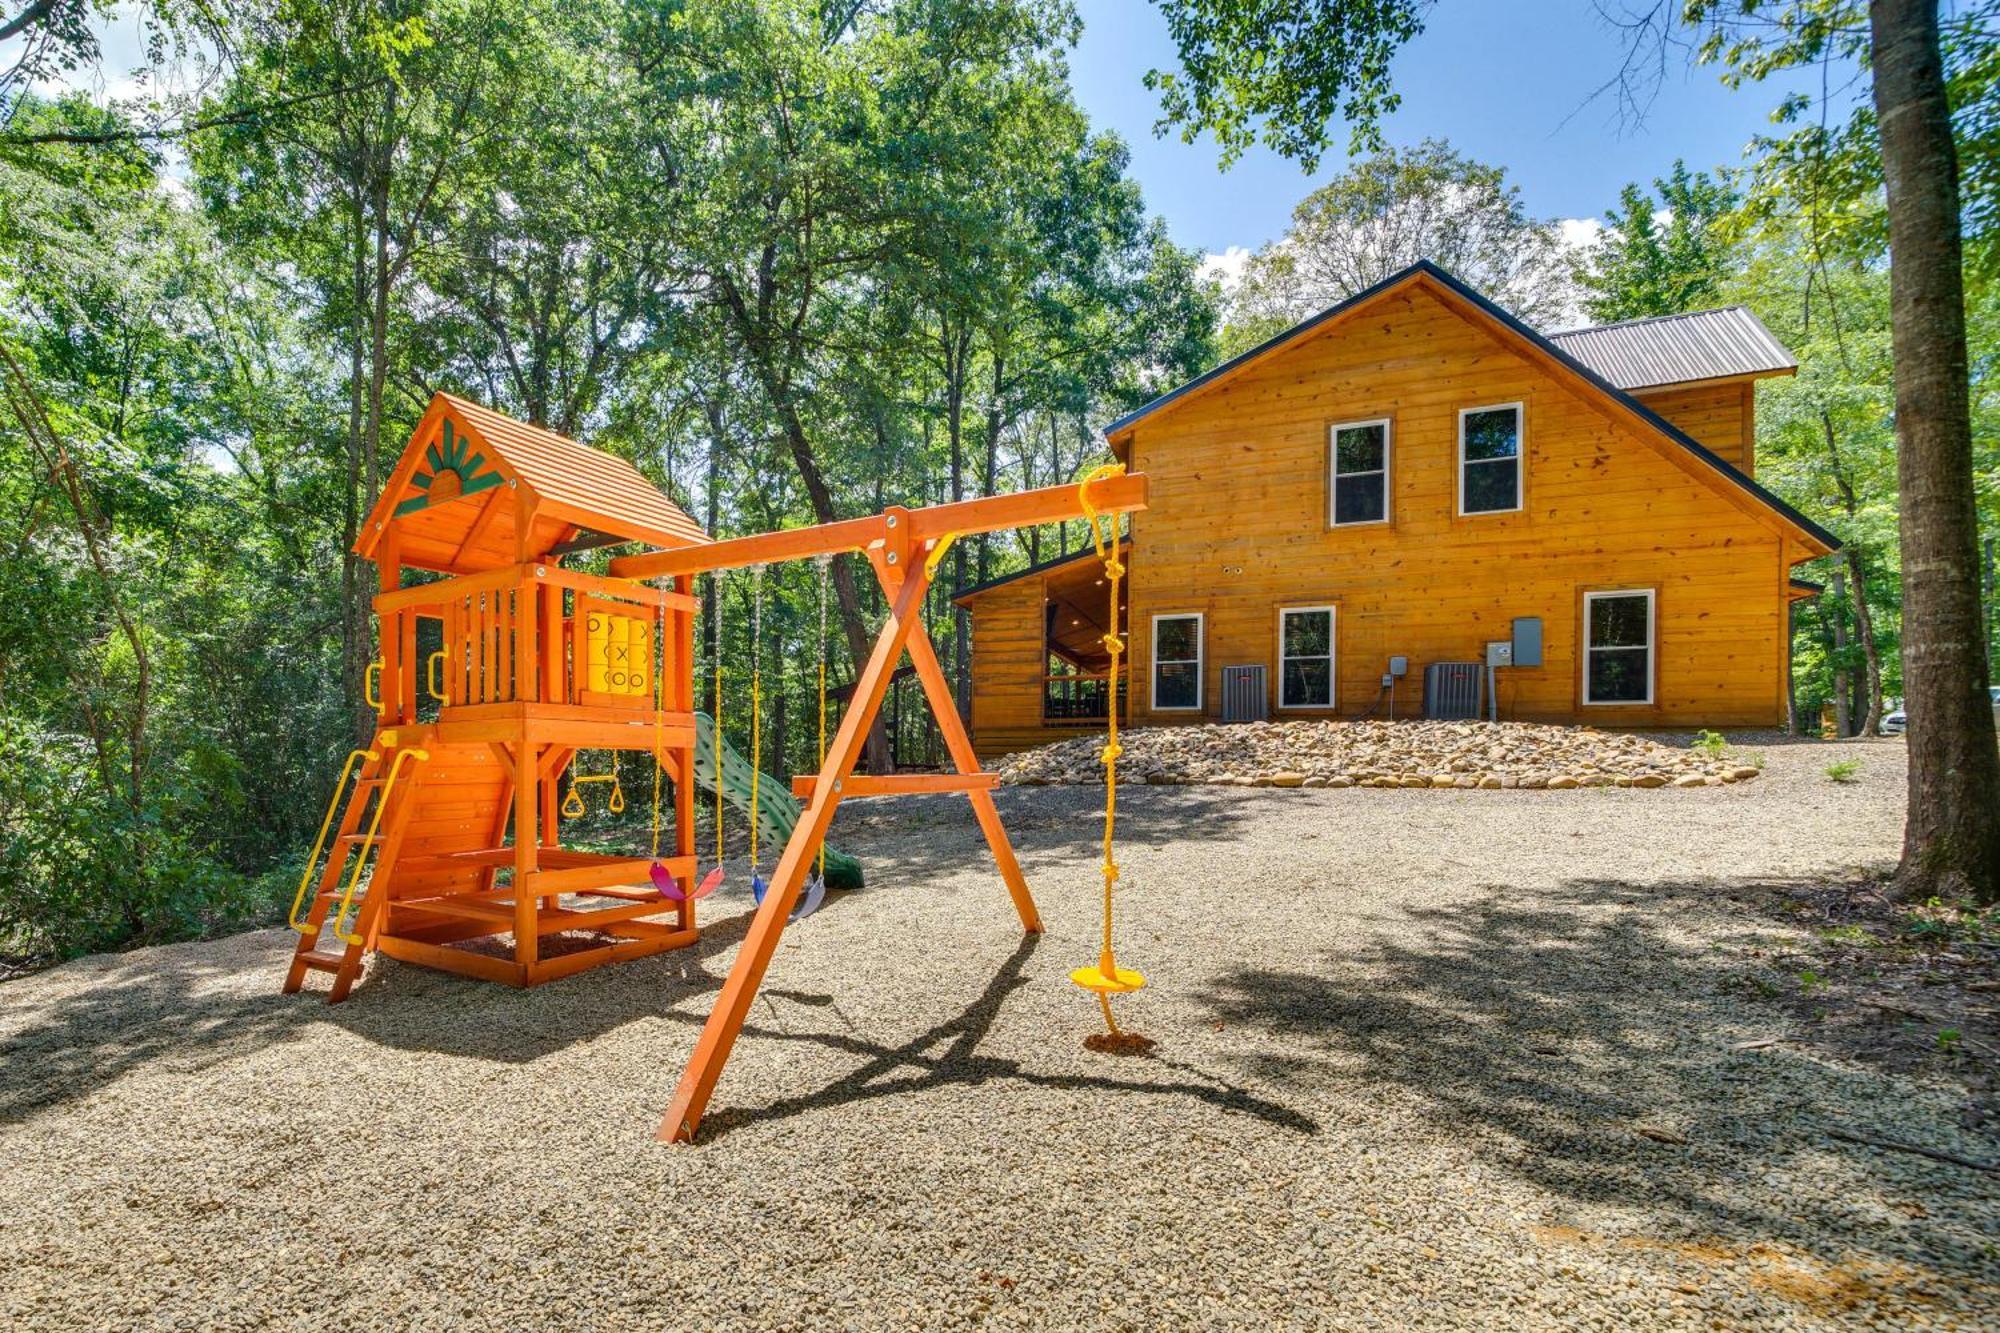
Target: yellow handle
{"points": [[299, 899], [572, 806], [361, 852], [434, 676], [371, 685], [936, 557]]}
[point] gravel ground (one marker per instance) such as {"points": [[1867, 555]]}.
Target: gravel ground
{"points": [[1452, 1059]]}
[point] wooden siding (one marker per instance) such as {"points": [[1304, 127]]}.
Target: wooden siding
{"points": [[1721, 416], [1008, 662], [1238, 530]]}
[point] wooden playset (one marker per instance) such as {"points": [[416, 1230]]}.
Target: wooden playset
{"points": [[445, 847]]}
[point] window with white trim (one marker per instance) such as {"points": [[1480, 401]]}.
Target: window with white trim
{"points": [[1358, 473], [1618, 647], [1305, 657], [1177, 663], [1489, 459]]}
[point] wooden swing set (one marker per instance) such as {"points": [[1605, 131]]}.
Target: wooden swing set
{"points": [[904, 548], [538, 662]]}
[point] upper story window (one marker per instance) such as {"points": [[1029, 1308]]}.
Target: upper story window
{"points": [[1358, 480], [1618, 647], [1177, 663], [1489, 459]]}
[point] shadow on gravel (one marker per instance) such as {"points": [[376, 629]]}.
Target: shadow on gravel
{"points": [[137, 1017], [1047, 826], [948, 1055], [1549, 1035]]}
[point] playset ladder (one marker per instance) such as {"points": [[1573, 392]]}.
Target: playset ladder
{"points": [[382, 786]]}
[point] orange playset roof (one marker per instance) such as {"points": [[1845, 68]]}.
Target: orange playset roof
{"points": [[455, 498]]}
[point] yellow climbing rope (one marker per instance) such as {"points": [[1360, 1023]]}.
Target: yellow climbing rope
{"points": [[1107, 978]]}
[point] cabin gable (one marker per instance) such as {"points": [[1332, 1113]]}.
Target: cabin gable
{"points": [[1240, 530]]}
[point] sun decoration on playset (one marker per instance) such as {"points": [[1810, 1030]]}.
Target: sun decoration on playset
{"points": [[450, 469]]}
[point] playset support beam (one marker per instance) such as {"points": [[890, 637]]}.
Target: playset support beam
{"points": [[890, 529], [897, 543], [725, 1021]]}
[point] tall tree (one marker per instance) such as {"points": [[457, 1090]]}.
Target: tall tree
{"points": [[1283, 70], [1385, 213], [358, 182], [1951, 840], [1645, 264]]}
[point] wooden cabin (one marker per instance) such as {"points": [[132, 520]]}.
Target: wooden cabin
{"points": [[444, 832], [1404, 480]]}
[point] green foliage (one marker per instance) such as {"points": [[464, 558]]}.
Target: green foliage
{"points": [[1290, 65], [792, 259], [1643, 266], [1385, 213], [1843, 770], [1712, 744]]}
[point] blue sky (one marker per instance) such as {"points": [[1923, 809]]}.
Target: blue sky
{"points": [[1508, 82], [1504, 80]]}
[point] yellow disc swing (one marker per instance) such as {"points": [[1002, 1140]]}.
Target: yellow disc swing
{"points": [[1106, 978]]}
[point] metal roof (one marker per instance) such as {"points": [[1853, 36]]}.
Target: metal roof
{"points": [[1678, 349]]}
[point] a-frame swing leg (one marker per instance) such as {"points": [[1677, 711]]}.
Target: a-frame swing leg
{"points": [[725, 1021], [944, 708]]}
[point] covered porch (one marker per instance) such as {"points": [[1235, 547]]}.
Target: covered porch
{"points": [[1040, 669], [1076, 686]]}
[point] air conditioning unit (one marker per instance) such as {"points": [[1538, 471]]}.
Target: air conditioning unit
{"points": [[1451, 691], [1244, 697]]}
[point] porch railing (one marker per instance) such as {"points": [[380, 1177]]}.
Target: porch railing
{"points": [[1078, 698]]}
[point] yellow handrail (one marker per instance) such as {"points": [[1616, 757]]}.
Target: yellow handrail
{"points": [[368, 840], [371, 685], [319, 843], [434, 675]]}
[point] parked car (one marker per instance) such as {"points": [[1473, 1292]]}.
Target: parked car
{"points": [[1896, 723]]}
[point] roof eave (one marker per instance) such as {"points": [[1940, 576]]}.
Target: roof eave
{"points": [[1811, 534]]}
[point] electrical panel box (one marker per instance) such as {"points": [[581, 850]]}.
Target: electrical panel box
{"points": [[1399, 666], [1500, 653], [1527, 643]]}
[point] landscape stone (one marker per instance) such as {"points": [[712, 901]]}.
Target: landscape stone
{"points": [[1373, 753]]}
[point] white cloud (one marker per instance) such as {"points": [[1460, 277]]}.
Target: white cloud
{"points": [[1580, 233], [1226, 267]]}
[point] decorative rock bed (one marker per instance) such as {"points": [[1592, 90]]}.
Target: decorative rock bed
{"points": [[1379, 754]]}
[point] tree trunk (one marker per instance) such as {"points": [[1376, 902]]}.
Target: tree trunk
{"points": [[1951, 836], [1842, 718], [1864, 622], [1791, 669], [356, 592], [711, 604], [956, 348], [1871, 652]]}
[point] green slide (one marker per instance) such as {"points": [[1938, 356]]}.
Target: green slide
{"points": [[777, 813]]}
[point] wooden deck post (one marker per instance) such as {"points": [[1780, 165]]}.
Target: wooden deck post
{"points": [[527, 860]]}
